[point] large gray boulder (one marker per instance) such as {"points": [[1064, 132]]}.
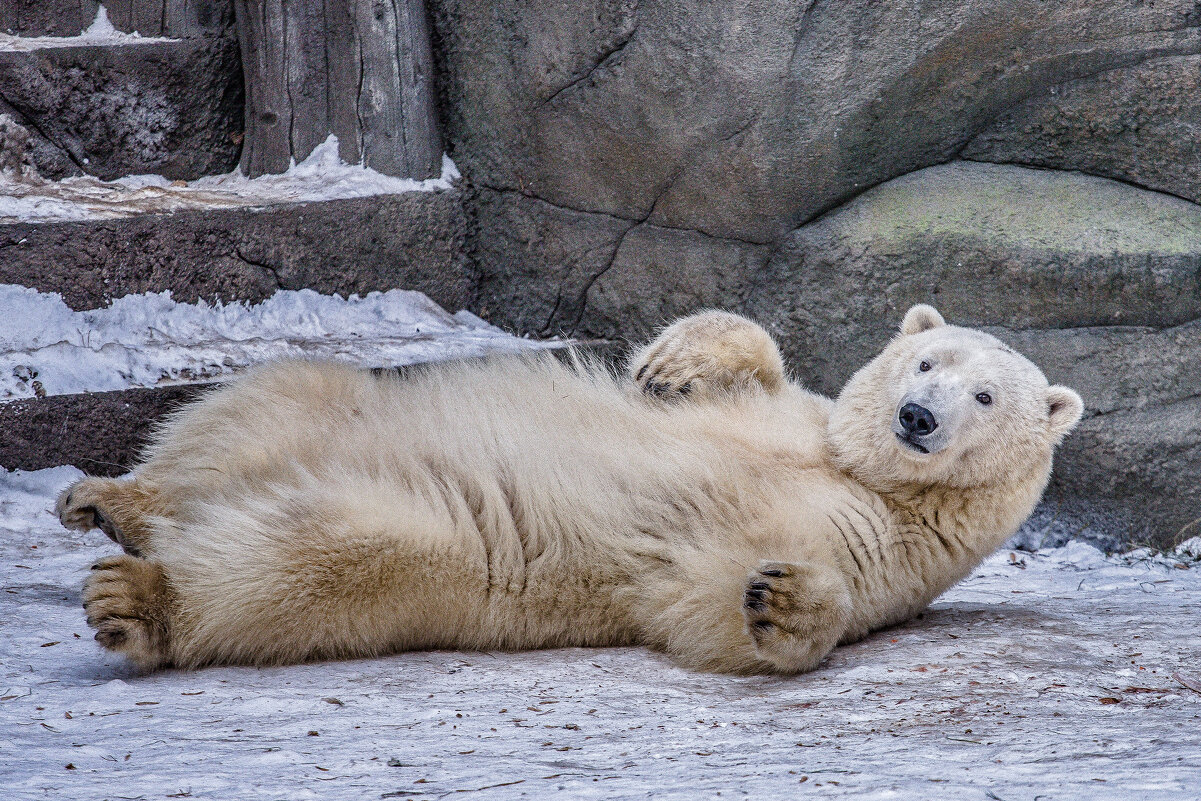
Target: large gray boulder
{"points": [[1140, 124], [743, 119], [633, 161], [991, 245], [1096, 281]]}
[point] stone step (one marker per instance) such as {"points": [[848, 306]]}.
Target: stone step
{"points": [[98, 432], [175, 18], [101, 432], [119, 106], [412, 240]]}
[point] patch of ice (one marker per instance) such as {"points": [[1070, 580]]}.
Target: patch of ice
{"points": [[321, 176], [144, 340], [100, 32]]}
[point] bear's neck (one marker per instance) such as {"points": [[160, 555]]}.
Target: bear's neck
{"points": [[982, 518], [958, 527]]}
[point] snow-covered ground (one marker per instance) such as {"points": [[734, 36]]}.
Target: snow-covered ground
{"points": [[1059, 674], [100, 33], [321, 176], [147, 340]]}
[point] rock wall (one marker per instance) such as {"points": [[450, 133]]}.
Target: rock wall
{"points": [[815, 165], [172, 108]]}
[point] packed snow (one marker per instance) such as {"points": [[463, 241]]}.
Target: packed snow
{"points": [[1058, 674], [46, 348], [101, 32], [321, 176]]}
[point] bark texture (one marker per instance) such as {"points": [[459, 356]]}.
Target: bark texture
{"points": [[359, 69]]}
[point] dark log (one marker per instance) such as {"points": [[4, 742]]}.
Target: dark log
{"points": [[359, 69]]}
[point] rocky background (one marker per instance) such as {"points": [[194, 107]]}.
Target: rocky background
{"points": [[1027, 166]]}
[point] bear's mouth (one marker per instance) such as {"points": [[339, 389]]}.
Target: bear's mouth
{"points": [[909, 442]]}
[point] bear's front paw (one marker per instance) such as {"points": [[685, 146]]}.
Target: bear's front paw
{"points": [[705, 355], [794, 613]]}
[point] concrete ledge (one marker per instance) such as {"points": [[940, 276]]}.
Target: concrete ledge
{"points": [[100, 432], [358, 245], [173, 108]]}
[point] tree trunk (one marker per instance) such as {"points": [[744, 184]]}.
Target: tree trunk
{"points": [[359, 69]]}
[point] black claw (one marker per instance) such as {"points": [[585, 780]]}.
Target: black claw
{"points": [[771, 572], [755, 595], [755, 605], [763, 625], [67, 502], [759, 585], [106, 525]]}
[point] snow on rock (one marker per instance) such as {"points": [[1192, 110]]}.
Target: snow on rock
{"points": [[144, 340], [100, 32], [321, 176], [1049, 674]]}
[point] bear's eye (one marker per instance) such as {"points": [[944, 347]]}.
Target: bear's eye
{"points": [[984, 398], [924, 367]]}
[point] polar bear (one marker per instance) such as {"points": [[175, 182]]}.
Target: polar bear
{"points": [[705, 506]]}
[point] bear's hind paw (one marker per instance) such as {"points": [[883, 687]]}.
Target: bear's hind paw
{"points": [[79, 507], [128, 601]]}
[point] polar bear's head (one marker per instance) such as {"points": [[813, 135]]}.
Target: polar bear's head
{"points": [[948, 405]]}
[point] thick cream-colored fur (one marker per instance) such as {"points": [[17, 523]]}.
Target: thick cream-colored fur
{"points": [[314, 511]]}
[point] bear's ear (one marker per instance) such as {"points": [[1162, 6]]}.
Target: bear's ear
{"points": [[1065, 408], [921, 318]]}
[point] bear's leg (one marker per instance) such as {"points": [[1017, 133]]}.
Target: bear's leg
{"points": [[129, 603], [118, 508], [318, 571], [708, 354], [710, 614]]}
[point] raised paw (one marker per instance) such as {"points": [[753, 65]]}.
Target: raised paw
{"points": [[795, 614], [707, 354], [128, 601]]}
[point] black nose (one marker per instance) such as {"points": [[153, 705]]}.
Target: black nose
{"points": [[917, 420]]}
